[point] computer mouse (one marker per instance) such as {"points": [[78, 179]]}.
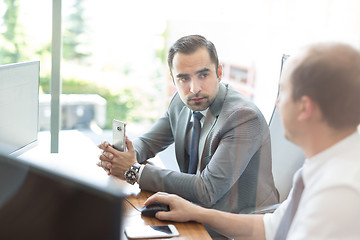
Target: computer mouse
{"points": [[151, 209]]}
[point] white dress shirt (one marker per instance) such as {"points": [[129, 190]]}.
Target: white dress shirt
{"points": [[330, 204]]}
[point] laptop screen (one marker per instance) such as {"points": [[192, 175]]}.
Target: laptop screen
{"points": [[43, 203], [19, 104]]}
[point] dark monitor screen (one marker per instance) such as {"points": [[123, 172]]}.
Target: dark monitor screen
{"points": [[19, 103], [44, 203]]}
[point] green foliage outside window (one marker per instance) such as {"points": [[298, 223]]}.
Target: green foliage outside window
{"points": [[75, 42], [13, 48], [120, 105], [12, 40]]}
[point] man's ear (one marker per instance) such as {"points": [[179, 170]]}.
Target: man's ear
{"points": [[306, 108], [220, 72]]}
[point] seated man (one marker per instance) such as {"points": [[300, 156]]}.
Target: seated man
{"points": [[319, 104], [229, 167]]}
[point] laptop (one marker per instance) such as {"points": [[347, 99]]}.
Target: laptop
{"points": [[19, 106], [39, 201]]}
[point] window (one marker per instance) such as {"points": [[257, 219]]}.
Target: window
{"points": [[114, 52]]}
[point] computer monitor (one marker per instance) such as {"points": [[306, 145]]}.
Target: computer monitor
{"points": [[19, 104], [46, 202]]}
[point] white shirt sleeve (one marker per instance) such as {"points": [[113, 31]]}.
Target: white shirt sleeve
{"points": [[332, 213], [272, 220], [140, 171]]}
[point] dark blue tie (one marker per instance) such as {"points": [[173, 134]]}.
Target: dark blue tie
{"points": [[291, 209], [194, 147]]}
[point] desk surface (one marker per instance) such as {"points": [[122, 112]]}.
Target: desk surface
{"points": [[189, 230], [80, 161]]}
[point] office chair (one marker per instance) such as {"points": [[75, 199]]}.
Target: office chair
{"points": [[287, 158]]}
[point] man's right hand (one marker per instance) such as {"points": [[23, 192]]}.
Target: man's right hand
{"points": [[181, 210], [114, 161]]}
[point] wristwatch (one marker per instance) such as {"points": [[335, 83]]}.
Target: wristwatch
{"points": [[132, 174]]}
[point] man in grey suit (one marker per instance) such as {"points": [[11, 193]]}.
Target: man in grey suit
{"points": [[234, 167]]}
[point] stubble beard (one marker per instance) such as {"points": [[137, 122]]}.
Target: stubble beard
{"points": [[198, 105]]}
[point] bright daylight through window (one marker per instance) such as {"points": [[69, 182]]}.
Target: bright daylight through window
{"points": [[114, 52]]}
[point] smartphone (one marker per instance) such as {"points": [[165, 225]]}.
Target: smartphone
{"points": [[119, 135], [148, 231]]}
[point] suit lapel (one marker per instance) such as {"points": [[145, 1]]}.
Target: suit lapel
{"points": [[210, 121], [208, 124]]}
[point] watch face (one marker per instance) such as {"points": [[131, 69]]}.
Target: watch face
{"points": [[130, 176]]}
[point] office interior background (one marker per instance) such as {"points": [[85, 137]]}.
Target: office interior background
{"points": [[114, 52]]}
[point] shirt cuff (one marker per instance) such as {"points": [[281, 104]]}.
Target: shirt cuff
{"points": [[140, 171], [269, 233]]}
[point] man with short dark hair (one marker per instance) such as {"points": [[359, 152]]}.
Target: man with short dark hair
{"points": [[319, 105], [231, 167]]}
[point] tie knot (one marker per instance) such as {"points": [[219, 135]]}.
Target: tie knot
{"points": [[197, 115]]}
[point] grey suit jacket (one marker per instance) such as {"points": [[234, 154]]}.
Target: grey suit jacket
{"points": [[235, 160]]}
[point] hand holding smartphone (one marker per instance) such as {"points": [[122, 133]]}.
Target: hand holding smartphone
{"points": [[146, 231], [119, 136]]}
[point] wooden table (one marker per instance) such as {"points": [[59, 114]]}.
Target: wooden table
{"points": [[83, 165], [189, 230]]}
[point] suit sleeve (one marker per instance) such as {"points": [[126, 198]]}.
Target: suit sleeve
{"points": [[236, 139], [158, 138]]}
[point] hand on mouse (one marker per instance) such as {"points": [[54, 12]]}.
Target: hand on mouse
{"points": [[181, 210]]}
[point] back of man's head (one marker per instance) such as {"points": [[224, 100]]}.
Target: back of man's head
{"points": [[330, 75]]}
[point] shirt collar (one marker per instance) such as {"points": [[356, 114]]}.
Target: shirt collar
{"points": [[337, 148], [312, 164], [202, 120]]}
